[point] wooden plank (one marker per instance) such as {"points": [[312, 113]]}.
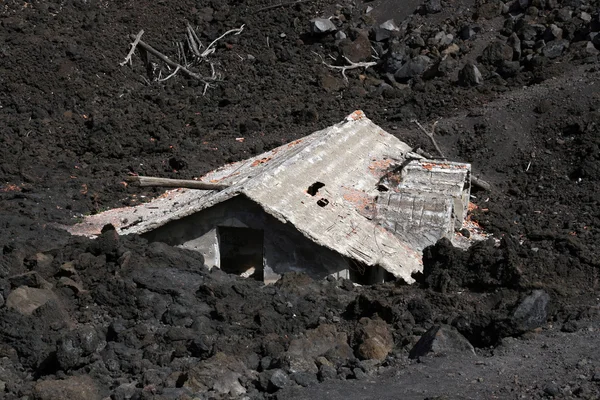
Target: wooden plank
{"points": [[148, 181]]}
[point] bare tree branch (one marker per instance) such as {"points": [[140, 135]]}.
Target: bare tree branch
{"points": [[291, 3], [352, 65], [210, 49], [138, 37], [174, 64]]}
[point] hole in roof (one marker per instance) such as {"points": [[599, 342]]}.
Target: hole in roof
{"points": [[314, 188], [382, 188], [322, 202]]}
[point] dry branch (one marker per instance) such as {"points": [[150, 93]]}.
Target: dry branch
{"points": [[290, 3], [352, 65], [138, 37], [210, 49], [148, 181], [174, 64]]}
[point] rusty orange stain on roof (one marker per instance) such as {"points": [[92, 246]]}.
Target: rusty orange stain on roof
{"points": [[261, 161], [378, 167], [364, 204], [431, 165], [295, 142], [356, 115]]}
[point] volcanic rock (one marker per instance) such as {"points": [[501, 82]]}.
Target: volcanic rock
{"points": [[413, 67], [374, 338], [532, 312], [433, 6], [322, 25], [441, 339], [356, 50], [72, 388], [302, 352], [497, 52], [26, 300], [555, 48], [469, 75]]}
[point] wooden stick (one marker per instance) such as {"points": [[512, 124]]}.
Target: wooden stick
{"points": [[172, 63], [291, 3], [148, 181], [138, 37]]}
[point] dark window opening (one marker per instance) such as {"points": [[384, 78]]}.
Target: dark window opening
{"points": [[322, 202], [242, 251], [314, 188], [382, 188]]}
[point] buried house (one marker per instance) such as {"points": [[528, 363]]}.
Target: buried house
{"points": [[351, 201]]}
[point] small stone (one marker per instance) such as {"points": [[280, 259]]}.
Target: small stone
{"points": [[466, 33], [389, 25], [322, 25], [304, 379], [359, 374], [508, 69], [555, 31], [384, 31], [570, 326], [515, 43], [552, 389], [585, 17], [356, 50], [469, 75], [497, 52], [591, 49], [413, 67], [327, 372], [543, 106], [555, 48], [433, 6], [441, 339], [340, 35], [564, 14], [452, 49], [489, 10]]}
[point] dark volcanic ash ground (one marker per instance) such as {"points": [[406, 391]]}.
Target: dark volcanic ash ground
{"points": [[514, 88]]}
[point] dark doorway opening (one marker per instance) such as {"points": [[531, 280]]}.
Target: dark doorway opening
{"points": [[365, 275], [242, 251]]}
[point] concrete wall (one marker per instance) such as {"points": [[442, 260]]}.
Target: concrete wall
{"points": [[285, 249]]}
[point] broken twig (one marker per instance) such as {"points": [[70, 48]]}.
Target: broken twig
{"points": [[290, 3], [174, 64], [210, 49], [149, 181], [430, 136], [352, 65], [480, 183], [138, 37]]}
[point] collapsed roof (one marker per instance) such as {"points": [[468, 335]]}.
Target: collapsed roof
{"points": [[352, 188]]}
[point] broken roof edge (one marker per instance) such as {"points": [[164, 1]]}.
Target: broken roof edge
{"points": [[399, 271]]}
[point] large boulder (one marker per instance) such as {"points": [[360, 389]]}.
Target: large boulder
{"points": [[532, 312], [302, 352], [72, 388], [441, 339], [220, 373], [25, 300], [374, 338]]}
